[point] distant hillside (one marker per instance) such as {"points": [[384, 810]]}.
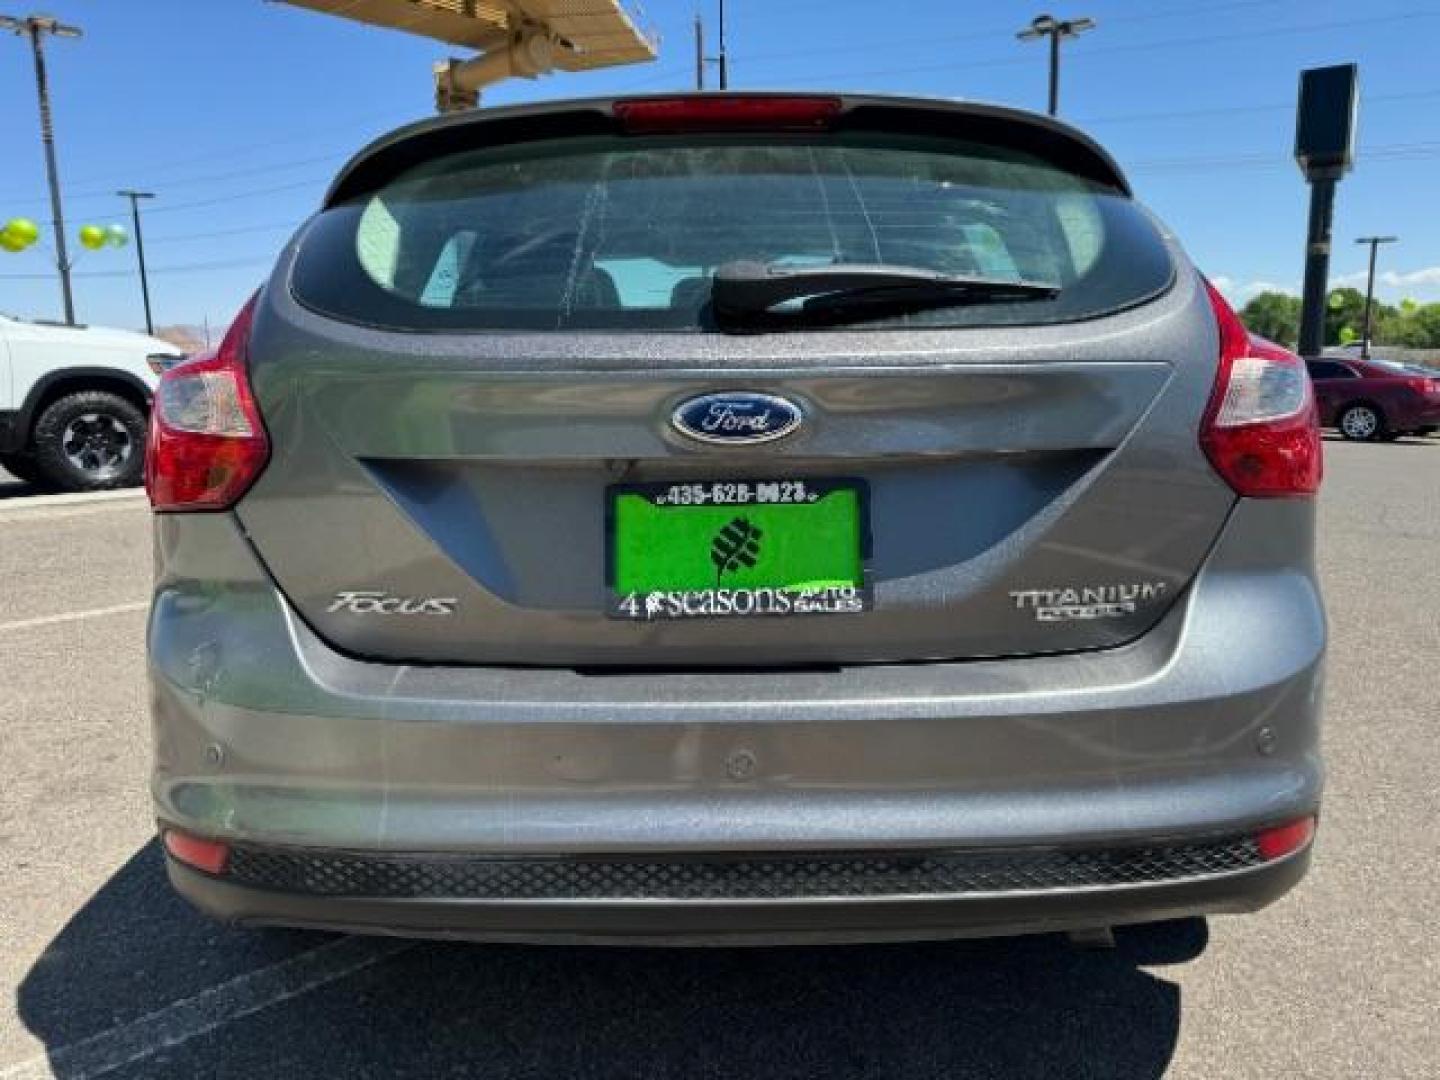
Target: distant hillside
{"points": [[189, 338]]}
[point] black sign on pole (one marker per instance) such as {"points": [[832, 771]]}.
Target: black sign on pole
{"points": [[1325, 151]]}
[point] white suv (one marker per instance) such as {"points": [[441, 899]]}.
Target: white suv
{"points": [[74, 401]]}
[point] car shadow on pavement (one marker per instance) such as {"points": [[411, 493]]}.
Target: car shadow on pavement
{"points": [[1025, 1007], [1403, 440], [10, 488]]}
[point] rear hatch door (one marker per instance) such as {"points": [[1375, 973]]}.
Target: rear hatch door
{"points": [[509, 427]]}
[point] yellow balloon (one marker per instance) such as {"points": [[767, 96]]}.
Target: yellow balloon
{"points": [[92, 236], [11, 242], [23, 229]]}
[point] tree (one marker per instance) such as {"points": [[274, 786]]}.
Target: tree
{"points": [[1344, 310], [1410, 324], [1413, 325], [1273, 315]]}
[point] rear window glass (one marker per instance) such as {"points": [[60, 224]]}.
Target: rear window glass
{"points": [[624, 234]]}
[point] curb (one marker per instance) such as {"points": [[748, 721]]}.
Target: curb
{"points": [[22, 503]]}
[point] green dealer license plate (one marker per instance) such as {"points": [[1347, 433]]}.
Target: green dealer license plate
{"points": [[717, 549]]}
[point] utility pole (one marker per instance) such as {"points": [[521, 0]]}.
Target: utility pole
{"points": [[35, 28], [720, 60], [699, 53], [1057, 30], [1374, 242], [723, 57], [135, 197]]}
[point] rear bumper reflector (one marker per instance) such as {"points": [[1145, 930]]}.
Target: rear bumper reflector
{"points": [[210, 856], [1281, 840]]}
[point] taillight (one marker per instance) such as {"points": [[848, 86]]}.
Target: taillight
{"points": [[650, 116], [207, 443], [1424, 387], [1260, 431]]}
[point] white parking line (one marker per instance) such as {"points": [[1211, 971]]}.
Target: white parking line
{"points": [[208, 1010], [77, 498], [73, 616]]}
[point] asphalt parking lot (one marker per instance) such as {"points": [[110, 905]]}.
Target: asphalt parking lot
{"points": [[106, 973]]}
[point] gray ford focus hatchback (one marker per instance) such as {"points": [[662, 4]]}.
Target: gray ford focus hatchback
{"points": [[739, 517]]}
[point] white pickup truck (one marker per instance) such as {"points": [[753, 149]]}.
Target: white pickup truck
{"points": [[74, 401]]}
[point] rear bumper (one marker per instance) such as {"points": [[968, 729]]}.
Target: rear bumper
{"points": [[1206, 727], [1407, 414], [1427, 415], [750, 920]]}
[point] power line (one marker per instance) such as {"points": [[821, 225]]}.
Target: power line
{"points": [[239, 230], [666, 73], [1380, 153], [1116, 118], [1147, 46], [1377, 154], [1394, 152], [1231, 110], [228, 154], [188, 268], [649, 79], [252, 193], [230, 174], [95, 195]]}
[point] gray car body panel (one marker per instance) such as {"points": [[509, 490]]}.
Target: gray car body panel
{"points": [[1162, 736], [473, 466]]}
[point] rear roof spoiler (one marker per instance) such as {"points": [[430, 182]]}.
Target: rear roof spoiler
{"points": [[997, 125]]}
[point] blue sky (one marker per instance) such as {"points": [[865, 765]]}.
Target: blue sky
{"points": [[237, 112]]}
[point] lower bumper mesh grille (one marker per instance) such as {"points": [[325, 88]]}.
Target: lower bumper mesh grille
{"points": [[741, 877]]}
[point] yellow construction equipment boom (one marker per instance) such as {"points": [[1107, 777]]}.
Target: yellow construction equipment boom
{"points": [[515, 38]]}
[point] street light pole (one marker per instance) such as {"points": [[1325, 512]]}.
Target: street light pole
{"points": [[1374, 242], [35, 28], [1053, 108], [135, 197], [1057, 30]]}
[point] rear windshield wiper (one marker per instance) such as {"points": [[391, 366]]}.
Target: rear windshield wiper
{"points": [[753, 292]]}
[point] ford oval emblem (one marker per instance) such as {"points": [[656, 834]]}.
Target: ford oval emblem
{"points": [[738, 418]]}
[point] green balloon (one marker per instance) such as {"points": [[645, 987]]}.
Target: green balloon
{"points": [[23, 229], [11, 242], [92, 236], [117, 235]]}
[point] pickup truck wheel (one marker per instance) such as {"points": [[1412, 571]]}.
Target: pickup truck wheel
{"points": [[20, 466], [89, 441], [1362, 423]]}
